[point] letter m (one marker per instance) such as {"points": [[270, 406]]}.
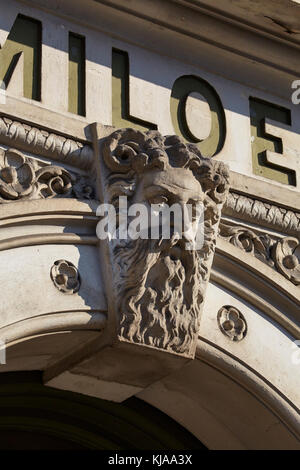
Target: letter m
{"points": [[23, 47]]}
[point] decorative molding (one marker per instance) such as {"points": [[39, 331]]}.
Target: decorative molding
{"points": [[249, 294], [65, 277], [232, 323], [48, 239], [48, 144], [158, 285], [54, 322], [279, 253], [24, 178], [262, 213], [257, 244], [249, 378]]}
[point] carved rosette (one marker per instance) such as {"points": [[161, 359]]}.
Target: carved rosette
{"points": [[159, 285], [286, 258], [23, 178], [232, 323], [65, 277]]}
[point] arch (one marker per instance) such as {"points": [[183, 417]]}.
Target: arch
{"points": [[33, 416]]}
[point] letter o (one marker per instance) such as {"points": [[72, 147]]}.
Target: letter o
{"points": [[182, 88]]}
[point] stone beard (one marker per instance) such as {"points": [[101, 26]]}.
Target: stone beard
{"points": [[159, 284], [160, 293]]}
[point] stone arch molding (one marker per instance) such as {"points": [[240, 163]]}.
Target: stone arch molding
{"points": [[136, 315]]}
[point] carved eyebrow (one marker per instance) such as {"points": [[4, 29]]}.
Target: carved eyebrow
{"points": [[158, 189]]}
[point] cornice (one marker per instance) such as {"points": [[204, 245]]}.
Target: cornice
{"points": [[204, 24], [233, 18], [217, 30]]}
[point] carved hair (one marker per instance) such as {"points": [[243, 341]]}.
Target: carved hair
{"points": [[132, 152]]}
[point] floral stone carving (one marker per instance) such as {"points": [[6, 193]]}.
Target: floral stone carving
{"points": [[158, 285], [65, 276], [279, 253], [232, 323], [24, 178], [286, 259]]}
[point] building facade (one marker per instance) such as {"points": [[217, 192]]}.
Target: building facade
{"points": [[158, 101]]}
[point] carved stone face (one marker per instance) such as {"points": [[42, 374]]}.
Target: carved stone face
{"points": [[158, 283], [168, 187], [160, 288], [174, 184]]}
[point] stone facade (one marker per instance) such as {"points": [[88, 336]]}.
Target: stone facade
{"points": [[210, 335]]}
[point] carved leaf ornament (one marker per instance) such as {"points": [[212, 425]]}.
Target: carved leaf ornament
{"points": [[281, 254], [24, 178]]}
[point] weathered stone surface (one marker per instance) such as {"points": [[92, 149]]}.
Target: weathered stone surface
{"points": [[158, 285]]}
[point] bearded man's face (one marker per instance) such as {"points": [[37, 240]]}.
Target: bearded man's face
{"points": [[159, 280]]}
